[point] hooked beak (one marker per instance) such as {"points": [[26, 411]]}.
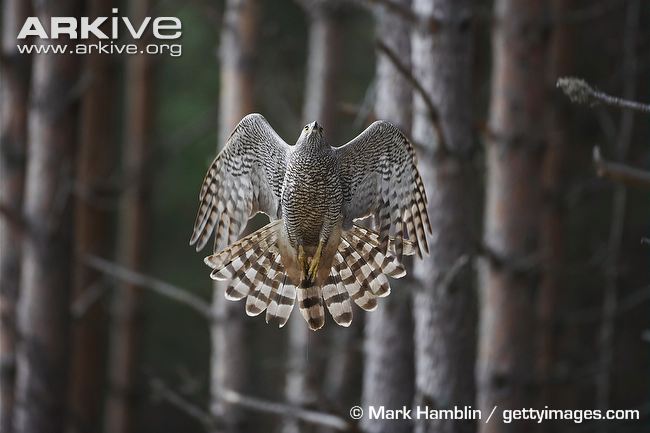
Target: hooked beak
{"points": [[314, 127]]}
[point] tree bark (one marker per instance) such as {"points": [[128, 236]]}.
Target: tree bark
{"points": [[445, 310], [43, 308], [307, 350], [510, 279], [389, 377], [134, 222], [323, 63], [607, 340], [95, 165], [342, 386], [229, 344], [552, 232], [14, 88]]}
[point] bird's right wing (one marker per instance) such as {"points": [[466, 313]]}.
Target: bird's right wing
{"points": [[245, 177], [380, 178]]}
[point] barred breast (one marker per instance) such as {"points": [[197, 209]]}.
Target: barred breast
{"points": [[312, 196]]}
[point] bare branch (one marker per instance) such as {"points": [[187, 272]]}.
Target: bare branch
{"points": [[163, 391], [167, 290], [434, 115], [91, 295], [310, 416], [524, 266], [622, 173], [580, 92], [448, 277]]}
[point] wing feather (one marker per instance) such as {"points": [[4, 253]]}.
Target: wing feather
{"points": [[244, 178], [380, 178]]}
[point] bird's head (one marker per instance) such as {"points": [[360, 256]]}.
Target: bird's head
{"points": [[311, 133]]}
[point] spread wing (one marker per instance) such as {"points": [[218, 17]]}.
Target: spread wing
{"points": [[245, 177], [380, 178]]}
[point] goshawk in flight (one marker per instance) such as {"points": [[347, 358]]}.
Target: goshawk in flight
{"points": [[313, 193]]}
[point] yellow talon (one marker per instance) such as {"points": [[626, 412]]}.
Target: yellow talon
{"points": [[313, 267]]}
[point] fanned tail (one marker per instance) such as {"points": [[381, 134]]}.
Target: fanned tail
{"points": [[253, 266]]}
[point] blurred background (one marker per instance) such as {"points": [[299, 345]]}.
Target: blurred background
{"points": [[536, 292]]}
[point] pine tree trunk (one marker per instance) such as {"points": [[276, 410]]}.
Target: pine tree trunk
{"points": [[388, 369], [510, 279], [95, 165], [445, 306], [229, 343], [43, 307], [552, 235], [307, 350], [14, 88], [323, 64], [134, 222]]}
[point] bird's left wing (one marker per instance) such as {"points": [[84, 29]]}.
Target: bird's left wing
{"points": [[245, 177], [380, 178]]}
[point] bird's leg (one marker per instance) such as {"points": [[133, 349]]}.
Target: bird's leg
{"points": [[315, 261], [302, 261]]}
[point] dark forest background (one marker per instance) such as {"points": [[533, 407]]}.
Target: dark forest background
{"points": [[537, 289]]}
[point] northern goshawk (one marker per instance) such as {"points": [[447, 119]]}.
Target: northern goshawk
{"points": [[313, 193]]}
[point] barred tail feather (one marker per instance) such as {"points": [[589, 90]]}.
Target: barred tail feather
{"points": [[251, 274], [360, 294], [337, 299], [254, 268], [368, 274], [281, 304], [260, 298], [310, 303], [372, 236], [367, 243], [241, 250]]}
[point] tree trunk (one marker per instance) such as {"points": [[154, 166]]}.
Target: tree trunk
{"points": [[133, 233], [607, 339], [95, 165], [307, 350], [552, 233], [343, 373], [323, 63], [229, 343], [445, 305], [510, 278], [14, 88], [388, 369], [43, 308]]}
